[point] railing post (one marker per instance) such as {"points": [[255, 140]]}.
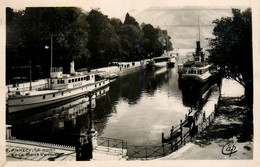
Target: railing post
{"points": [[108, 144], [163, 149], [122, 146], [162, 137], [181, 129], [184, 140], [146, 152]]}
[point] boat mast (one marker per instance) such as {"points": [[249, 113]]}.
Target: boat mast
{"points": [[51, 53], [51, 62], [166, 43], [199, 26], [30, 75]]}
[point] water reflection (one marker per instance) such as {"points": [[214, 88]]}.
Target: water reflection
{"points": [[58, 124], [133, 108]]}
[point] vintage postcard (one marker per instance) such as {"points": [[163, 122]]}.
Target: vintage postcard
{"points": [[116, 82]]}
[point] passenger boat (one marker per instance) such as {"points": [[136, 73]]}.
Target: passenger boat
{"points": [[61, 87], [112, 76], [162, 61], [196, 70], [174, 56]]}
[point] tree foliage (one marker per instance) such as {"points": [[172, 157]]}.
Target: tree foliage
{"points": [[231, 49], [91, 39]]}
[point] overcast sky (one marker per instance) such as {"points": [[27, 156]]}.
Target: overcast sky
{"points": [[118, 8]]}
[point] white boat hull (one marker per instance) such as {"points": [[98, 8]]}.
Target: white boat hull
{"points": [[196, 77], [32, 101]]}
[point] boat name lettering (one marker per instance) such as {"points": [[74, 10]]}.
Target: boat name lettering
{"points": [[77, 84]]}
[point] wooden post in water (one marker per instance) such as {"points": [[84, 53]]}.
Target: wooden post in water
{"points": [[162, 137], [171, 132]]}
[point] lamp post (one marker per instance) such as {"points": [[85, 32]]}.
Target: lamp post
{"points": [[30, 75], [47, 47], [91, 130]]}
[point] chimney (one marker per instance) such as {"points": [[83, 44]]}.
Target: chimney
{"points": [[198, 46], [72, 70]]}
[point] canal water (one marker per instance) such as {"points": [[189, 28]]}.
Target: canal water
{"points": [[137, 108]]}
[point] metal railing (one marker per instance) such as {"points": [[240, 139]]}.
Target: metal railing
{"points": [[111, 144], [12, 92], [178, 137]]}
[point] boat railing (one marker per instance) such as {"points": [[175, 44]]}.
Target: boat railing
{"points": [[23, 90]]}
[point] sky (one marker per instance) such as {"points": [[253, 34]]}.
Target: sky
{"points": [[118, 8]]}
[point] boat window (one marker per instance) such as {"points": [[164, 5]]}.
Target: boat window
{"points": [[54, 95], [69, 81], [72, 80], [88, 78], [84, 78], [43, 97], [61, 93], [76, 79], [95, 85], [99, 84], [81, 78], [92, 76]]}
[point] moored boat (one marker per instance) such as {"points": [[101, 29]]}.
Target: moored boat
{"points": [[162, 61], [112, 76], [61, 87], [196, 70]]}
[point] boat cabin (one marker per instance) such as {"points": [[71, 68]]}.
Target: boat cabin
{"points": [[59, 80]]}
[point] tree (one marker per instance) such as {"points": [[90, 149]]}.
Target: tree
{"points": [[231, 49], [130, 20], [90, 39], [103, 39], [29, 31], [151, 40], [130, 38]]}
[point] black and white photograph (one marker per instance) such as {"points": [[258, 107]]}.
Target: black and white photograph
{"points": [[130, 82]]}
